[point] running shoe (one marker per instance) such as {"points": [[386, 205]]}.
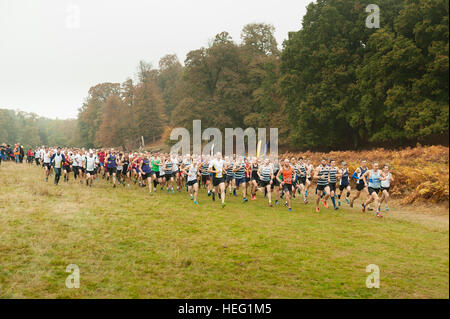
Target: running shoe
{"points": [[363, 207], [325, 204]]}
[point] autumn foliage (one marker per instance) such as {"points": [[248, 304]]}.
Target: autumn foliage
{"points": [[421, 173]]}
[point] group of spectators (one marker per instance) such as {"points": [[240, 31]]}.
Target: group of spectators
{"points": [[16, 153], [12, 153]]}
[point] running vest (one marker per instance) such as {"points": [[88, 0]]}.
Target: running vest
{"points": [[204, 169], [193, 172], [169, 166], [344, 177], [323, 176], [58, 160], [302, 170], [255, 170], [46, 158], [265, 173], [240, 172], [155, 166], [90, 163], [145, 166], [333, 172], [230, 169], [361, 173], [287, 175], [111, 161], [374, 179], [217, 165], [386, 182]]}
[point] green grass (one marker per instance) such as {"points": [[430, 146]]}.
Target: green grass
{"points": [[130, 245]]}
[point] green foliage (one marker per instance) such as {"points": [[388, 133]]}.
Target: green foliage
{"points": [[31, 130], [369, 86]]}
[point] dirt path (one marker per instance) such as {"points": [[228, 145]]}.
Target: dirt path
{"points": [[435, 216]]}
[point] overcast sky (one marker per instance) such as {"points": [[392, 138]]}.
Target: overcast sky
{"points": [[53, 51]]}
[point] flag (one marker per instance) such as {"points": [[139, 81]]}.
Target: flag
{"points": [[258, 149]]}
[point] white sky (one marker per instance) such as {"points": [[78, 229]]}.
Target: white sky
{"points": [[49, 58]]}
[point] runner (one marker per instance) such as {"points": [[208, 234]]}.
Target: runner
{"points": [[265, 174], [168, 166], [275, 183], [204, 172], [286, 173], [333, 176], [144, 167], [111, 160], [76, 159], [46, 160], [156, 162], [216, 168], [344, 184], [374, 177], [229, 175], [302, 180], [360, 180], [254, 179], [57, 159], [126, 170], [191, 170], [238, 172], [91, 168], [119, 172], [385, 187], [101, 159], [66, 165], [321, 174]]}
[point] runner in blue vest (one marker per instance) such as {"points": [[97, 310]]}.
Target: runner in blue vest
{"points": [[111, 159], [57, 160]]}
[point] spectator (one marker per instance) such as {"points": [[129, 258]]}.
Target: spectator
{"points": [[16, 153], [22, 153]]}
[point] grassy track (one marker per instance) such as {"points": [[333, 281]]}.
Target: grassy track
{"points": [[130, 245]]}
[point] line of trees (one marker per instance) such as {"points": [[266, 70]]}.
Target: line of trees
{"points": [[32, 130]]}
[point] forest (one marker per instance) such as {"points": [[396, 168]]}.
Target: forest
{"points": [[332, 85]]}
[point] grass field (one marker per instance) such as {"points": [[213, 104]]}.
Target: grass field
{"points": [[130, 245]]}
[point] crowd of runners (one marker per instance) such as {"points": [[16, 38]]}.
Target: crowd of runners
{"points": [[277, 180]]}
